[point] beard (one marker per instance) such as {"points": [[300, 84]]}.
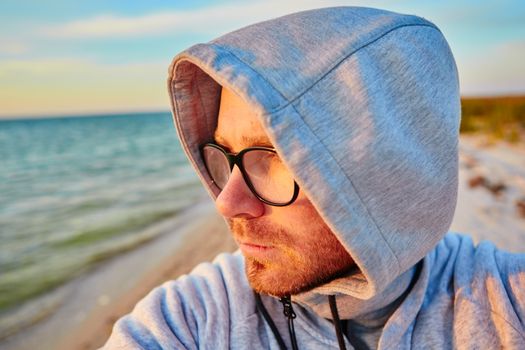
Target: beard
{"points": [[303, 259]]}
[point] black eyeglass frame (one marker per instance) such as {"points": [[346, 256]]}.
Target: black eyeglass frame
{"points": [[236, 159]]}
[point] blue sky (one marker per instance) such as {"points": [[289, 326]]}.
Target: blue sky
{"points": [[63, 57]]}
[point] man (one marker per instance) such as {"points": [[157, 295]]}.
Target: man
{"points": [[328, 139]]}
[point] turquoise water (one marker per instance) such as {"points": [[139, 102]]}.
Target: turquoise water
{"points": [[74, 191]]}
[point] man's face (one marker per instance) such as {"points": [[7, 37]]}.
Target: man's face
{"points": [[287, 249]]}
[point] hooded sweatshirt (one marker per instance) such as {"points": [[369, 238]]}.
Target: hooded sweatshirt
{"points": [[362, 105]]}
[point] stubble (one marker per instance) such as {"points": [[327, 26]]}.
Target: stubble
{"points": [[303, 261]]}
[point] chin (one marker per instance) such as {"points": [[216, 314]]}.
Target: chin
{"points": [[273, 280]]}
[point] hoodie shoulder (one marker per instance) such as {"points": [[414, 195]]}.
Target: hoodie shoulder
{"points": [[479, 293], [500, 283], [195, 308]]}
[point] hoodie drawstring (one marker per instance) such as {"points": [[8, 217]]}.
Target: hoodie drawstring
{"points": [[337, 322], [268, 319], [290, 315]]}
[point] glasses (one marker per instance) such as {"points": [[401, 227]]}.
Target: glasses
{"points": [[261, 168]]}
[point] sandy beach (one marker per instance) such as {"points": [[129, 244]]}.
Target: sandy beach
{"points": [[491, 194], [90, 304]]}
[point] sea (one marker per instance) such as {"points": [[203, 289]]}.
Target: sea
{"points": [[75, 191]]}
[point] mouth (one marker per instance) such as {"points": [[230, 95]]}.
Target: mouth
{"points": [[256, 250]]}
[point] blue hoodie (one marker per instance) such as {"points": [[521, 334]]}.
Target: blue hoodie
{"points": [[363, 106]]}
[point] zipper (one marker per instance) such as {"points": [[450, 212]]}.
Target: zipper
{"points": [[290, 315]]}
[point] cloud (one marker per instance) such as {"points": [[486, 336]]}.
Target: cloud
{"points": [[211, 19], [64, 67], [11, 47]]}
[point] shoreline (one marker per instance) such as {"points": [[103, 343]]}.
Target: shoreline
{"points": [[93, 301]]}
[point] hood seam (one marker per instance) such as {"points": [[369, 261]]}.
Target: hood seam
{"points": [[344, 58], [322, 76]]}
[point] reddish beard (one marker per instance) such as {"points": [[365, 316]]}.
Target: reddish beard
{"points": [[303, 261]]}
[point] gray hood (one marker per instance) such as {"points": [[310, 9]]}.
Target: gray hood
{"points": [[363, 107]]}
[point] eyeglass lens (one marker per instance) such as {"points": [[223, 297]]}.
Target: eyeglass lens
{"points": [[218, 166], [268, 176]]}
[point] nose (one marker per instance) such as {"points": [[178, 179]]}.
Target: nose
{"points": [[236, 200]]}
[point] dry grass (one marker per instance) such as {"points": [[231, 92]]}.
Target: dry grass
{"points": [[499, 118]]}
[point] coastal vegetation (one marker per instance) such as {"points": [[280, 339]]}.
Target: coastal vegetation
{"points": [[499, 118]]}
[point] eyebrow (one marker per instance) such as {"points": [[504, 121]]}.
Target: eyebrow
{"points": [[246, 140]]}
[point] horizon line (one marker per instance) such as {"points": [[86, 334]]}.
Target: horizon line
{"points": [[61, 115], [80, 115]]}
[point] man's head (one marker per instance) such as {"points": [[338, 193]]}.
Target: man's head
{"points": [[363, 107], [288, 249]]}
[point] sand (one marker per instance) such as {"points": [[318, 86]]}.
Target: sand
{"points": [[491, 186], [92, 303], [203, 240]]}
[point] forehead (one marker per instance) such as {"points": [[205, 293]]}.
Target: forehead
{"points": [[238, 126]]}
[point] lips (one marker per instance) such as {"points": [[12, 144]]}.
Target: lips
{"points": [[256, 238], [256, 250], [254, 245]]}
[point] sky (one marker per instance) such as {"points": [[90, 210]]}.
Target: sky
{"points": [[63, 57]]}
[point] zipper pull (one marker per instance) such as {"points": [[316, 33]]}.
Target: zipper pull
{"points": [[287, 307], [290, 314]]}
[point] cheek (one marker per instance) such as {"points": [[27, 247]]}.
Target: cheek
{"points": [[307, 235], [298, 216]]}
